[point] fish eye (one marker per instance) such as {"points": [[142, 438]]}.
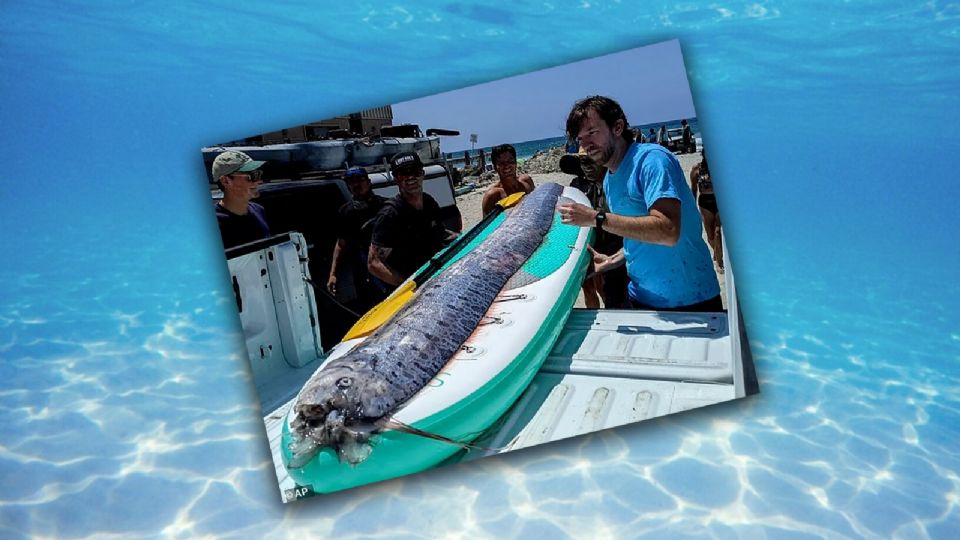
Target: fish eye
{"points": [[344, 382]]}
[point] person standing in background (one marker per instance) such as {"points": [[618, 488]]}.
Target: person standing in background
{"points": [[662, 138], [686, 138], [702, 187], [353, 239], [504, 159], [610, 285]]}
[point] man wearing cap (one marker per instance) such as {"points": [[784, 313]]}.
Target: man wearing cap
{"points": [[504, 159], [240, 220], [651, 207], [353, 238], [408, 230]]}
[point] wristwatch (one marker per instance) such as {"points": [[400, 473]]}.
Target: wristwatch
{"points": [[601, 219]]}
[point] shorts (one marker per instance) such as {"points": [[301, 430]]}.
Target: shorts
{"points": [[614, 291]]}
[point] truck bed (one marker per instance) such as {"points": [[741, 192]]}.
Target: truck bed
{"points": [[611, 368]]}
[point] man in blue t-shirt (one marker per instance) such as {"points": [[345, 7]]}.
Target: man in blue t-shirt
{"points": [[651, 207]]}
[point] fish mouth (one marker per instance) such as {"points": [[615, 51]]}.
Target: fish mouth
{"points": [[318, 426], [339, 409]]}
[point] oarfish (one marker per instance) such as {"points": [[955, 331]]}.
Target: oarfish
{"points": [[353, 397]]}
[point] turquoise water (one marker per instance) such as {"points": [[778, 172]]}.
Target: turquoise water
{"points": [[527, 149], [524, 149], [125, 403]]}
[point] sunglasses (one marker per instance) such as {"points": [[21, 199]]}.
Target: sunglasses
{"points": [[406, 173], [252, 176]]}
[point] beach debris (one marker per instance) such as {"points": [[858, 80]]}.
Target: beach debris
{"points": [[542, 162], [351, 398]]}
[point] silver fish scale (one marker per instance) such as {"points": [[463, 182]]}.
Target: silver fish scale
{"points": [[412, 347]]}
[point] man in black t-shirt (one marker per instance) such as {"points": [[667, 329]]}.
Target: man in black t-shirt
{"points": [[408, 230], [686, 138], [355, 228], [240, 220]]}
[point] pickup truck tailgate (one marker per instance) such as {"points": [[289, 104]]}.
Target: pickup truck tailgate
{"points": [[611, 368]]}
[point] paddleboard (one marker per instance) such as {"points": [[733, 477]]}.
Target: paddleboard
{"points": [[479, 383]]}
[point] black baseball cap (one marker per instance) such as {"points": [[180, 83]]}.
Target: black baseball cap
{"points": [[405, 161]]}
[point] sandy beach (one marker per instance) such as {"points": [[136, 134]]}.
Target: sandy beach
{"points": [[469, 204]]}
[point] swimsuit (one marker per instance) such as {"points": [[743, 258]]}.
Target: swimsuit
{"points": [[707, 201]]}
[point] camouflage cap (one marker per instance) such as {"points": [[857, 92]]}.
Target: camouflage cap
{"points": [[232, 161]]}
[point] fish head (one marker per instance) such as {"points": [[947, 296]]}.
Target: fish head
{"points": [[357, 391], [343, 403]]}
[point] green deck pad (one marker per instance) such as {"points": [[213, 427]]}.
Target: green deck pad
{"points": [[554, 251]]}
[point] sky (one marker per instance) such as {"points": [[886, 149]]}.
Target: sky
{"points": [[650, 83]]}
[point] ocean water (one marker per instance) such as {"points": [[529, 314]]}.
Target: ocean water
{"points": [[126, 407], [526, 149]]}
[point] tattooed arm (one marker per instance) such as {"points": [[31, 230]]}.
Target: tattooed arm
{"points": [[378, 267]]}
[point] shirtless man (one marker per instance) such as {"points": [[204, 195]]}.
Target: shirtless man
{"points": [[505, 163]]}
